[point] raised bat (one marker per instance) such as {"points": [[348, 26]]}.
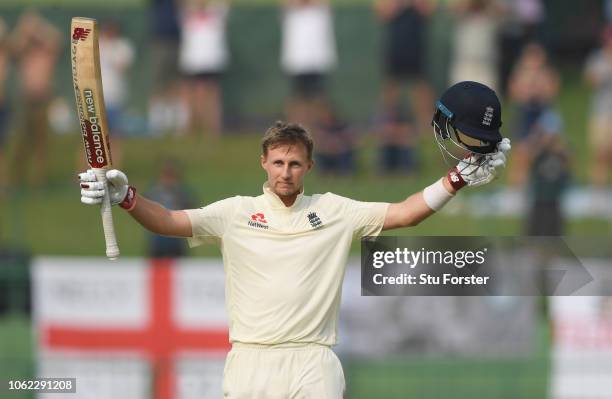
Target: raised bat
{"points": [[87, 80]]}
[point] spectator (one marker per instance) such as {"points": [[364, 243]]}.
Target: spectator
{"points": [[35, 43], [167, 111], [4, 113], [308, 55], [398, 140], [171, 192], [549, 175], [598, 72], [475, 55], [116, 59], [522, 25], [405, 23], [533, 87], [203, 58], [336, 142]]}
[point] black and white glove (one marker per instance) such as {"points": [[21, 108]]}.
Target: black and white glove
{"points": [[477, 169], [120, 193]]}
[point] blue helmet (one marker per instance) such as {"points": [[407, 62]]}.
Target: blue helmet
{"points": [[468, 115]]}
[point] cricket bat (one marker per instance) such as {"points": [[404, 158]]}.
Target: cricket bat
{"points": [[87, 80]]}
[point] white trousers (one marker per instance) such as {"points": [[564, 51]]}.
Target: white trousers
{"points": [[286, 371]]}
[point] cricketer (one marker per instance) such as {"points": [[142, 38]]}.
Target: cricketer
{"points": [[285, 252]]}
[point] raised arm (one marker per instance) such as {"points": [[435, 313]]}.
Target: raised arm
{"points": [[467, 118], [149, 214], [414, 209], [474, 170], [159, 220]]}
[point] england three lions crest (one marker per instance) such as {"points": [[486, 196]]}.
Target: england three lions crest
{"points": [[315, 220]]}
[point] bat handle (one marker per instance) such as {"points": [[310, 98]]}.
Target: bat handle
{"points": [[112, 249]]}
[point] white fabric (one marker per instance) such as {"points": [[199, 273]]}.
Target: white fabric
{"points": [[308, 44], [475, 50], [203, 47], [284, 265], [116, 57], [307, 371], [436, 196]]}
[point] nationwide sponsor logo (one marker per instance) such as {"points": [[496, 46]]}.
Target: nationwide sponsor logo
{"points": [[80, 34], [258, 220], [315, 221]]}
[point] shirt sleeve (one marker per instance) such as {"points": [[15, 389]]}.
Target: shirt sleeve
{"points": [[364, 218], [208, 224]]}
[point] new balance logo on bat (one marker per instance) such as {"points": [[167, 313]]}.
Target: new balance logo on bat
{"points": [[80, 33]]}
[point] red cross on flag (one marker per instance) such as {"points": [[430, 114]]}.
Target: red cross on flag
{"points": [[132, 328]]}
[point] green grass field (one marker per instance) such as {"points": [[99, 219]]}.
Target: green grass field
{"points": [[52, 221]]}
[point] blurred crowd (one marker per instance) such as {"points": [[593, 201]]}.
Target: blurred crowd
{"points": [[32, 46], [501, 43]]}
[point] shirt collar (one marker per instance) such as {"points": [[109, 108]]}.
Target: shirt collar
{"points": [[276, 202]]}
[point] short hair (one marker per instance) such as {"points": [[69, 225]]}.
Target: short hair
{"points": [[287, 133]]}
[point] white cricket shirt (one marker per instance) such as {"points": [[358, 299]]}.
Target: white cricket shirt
{"points": [[284, 266]]}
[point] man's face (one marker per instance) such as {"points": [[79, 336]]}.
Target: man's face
{"points": [[286, 166]]}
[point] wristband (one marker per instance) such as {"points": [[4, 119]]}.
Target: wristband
{"points": [[436, 195], [455, 179], [129, 202]]}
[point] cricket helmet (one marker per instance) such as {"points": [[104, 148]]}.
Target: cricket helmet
{"points": [[468, 115]]}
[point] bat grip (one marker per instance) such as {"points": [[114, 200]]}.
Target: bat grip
{"points": [[112, 249]]}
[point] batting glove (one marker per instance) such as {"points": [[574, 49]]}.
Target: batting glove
{"points": [[477, 169], [92, 190]]}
